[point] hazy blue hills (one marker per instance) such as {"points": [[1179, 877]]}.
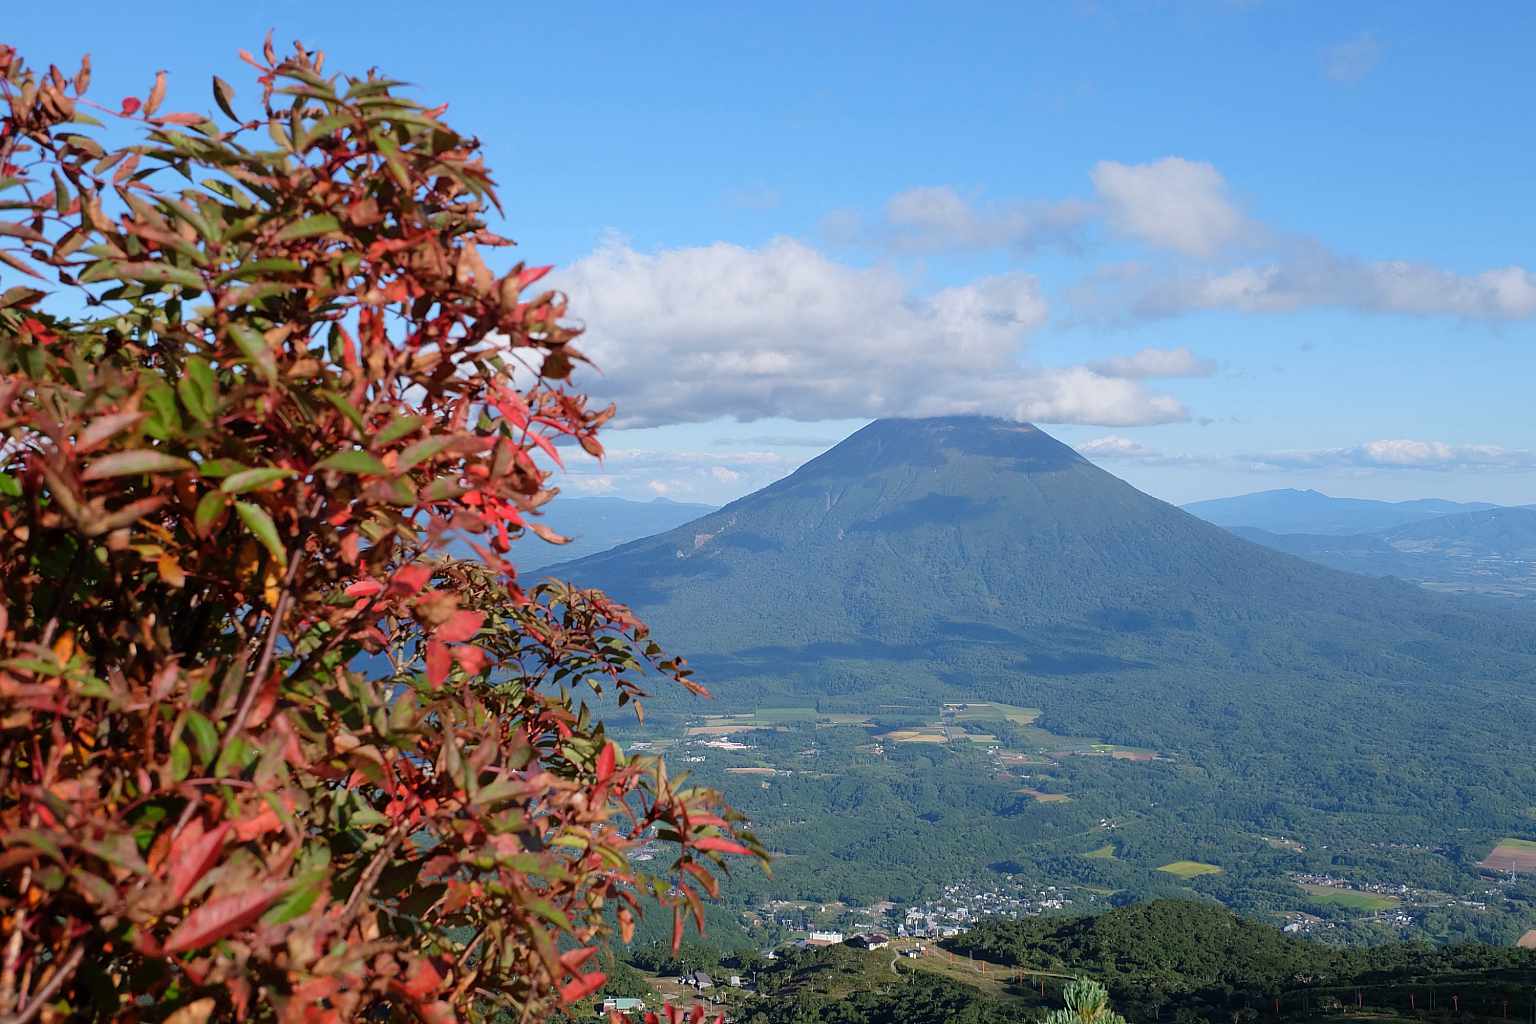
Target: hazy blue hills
{"points": [[597, 524], [1294, 511], [1492, 552]]}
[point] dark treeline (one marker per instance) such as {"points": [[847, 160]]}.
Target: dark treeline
{"points": [[1178, 956]]}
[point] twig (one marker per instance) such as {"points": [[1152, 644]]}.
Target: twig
{"points": [[64, 973], [371, 873]]}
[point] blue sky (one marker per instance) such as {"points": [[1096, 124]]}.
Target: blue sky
{"points": [[1218, 246]]}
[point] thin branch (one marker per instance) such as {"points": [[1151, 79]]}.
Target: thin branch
{"points": [[64, 973]]}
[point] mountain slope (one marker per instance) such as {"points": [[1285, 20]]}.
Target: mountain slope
{"points": [[1294, 511], [926, 560]]}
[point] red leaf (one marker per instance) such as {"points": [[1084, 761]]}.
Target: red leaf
{"points": [[439, 660], [409, 579], [605, 763], [249, 828], [214, 920], [266, 700], [36, 328], [471, 659], [422, 981], [131, 106], [461, 626], [192, 854], [677, 928], [546, 446], [582, 987], [573, 960], [364, 588], [719, 845], [697, 1016], [531, 275]]}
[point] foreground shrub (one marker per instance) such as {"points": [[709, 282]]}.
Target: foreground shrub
{"points": [[264, 750]]}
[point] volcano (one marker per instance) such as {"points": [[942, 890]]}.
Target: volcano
{"points": [[976, 558]]}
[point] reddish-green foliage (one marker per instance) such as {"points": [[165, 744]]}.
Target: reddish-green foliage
{"points": [[265, 752]]}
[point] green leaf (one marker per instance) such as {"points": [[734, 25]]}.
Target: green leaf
{"points": [[215, 468], [346, 408], [443, 489], [159, 273], [251, 479], [195, 400], [223, 93], [396, 429], [354, 462], [256, 349], [256, 268], [209, 506], [181, 761], [9, 487], [422, 450], [166, 421], [204, 736], [133, 463], [319, 224], [263, 529], [298, 901]]}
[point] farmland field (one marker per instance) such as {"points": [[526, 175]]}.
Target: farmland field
{"points": [[1046, 798], [977, 711], [780, 716], [1349, 897], [1105, 852], [1511, 855], [1189, 869], [916, 736]]}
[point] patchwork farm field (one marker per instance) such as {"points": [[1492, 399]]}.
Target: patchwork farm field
{"points": [[1353, 898], [1511, 855], [1189, 869]]}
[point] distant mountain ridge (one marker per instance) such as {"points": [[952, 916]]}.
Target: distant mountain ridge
{"points": [[1491, 552], [1296, 511], [597, 524]]}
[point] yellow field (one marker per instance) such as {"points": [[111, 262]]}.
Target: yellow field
{"points": [[750, 771], [1046, 798], [1105, 852], [1189, 869], [915, 736]]}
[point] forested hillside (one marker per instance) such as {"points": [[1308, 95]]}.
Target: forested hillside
{"points": [[966, 558]]}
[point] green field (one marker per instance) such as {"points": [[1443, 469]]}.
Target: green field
{"points": [[978, 711], [1528, 845], [782, 716], [1105, 852], [1189, 869], [1349, 898]]}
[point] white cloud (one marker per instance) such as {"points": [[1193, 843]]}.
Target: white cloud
{"points": [[940, 219], [692, 475], [1171, 203], [1350, 61], [1155, 362], [689, 335], [1116, 448], [1316, 278], [1403, 454]]}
